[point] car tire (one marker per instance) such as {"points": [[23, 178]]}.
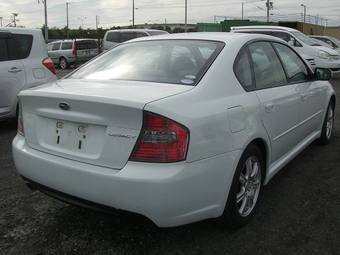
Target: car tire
{"points": [[327, 126], [245, 190], [63, 64]]}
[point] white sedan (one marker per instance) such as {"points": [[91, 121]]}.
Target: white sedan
{"points": [[178, 128]]}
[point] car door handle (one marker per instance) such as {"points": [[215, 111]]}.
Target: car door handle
{"points": [[14, 70], [269, 107]]}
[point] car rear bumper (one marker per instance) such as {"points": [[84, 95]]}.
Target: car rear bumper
{"points": [[168, 194]]}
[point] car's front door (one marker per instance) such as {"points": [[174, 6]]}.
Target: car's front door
{"points": [[312, 93], [280, 102]]}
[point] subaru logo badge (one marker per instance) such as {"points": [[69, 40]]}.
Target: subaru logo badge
{"points": [[64, 106]]}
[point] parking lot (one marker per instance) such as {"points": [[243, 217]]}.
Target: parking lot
{"points": [[299, 214]]}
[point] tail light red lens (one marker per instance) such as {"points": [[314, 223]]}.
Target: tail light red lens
{"points": [[48, 63], [161, 140]]}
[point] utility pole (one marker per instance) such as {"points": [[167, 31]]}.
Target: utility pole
{"points": [[97, 22], [67, 23], [304, 12], [242, 9], [45, 11], [186, 16], [1, 21], [268, 8], [133, 13]]}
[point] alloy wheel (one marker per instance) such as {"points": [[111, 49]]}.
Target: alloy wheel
{"points": [[330, 122], [249, 186]]}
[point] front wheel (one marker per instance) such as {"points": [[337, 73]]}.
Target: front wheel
{"points": [[328, 126], [245, 191]]}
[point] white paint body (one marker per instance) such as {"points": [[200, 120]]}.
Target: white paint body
{"points": [[222, 117], [29, 72]]}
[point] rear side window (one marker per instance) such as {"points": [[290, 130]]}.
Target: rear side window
{"points": [[92, 44], [126, 36], [295, 68], [267, 66], [19, 46], [141, 34], [56, 46], [113, 37], [66, 46], [243, 71], [3, 50], [85, 45]]}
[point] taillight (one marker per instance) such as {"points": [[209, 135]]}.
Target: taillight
{"points": [[48, 63], [161, 140], [20, 121]]}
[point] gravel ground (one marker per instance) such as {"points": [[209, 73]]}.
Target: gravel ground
{"points": [[299, 214]]}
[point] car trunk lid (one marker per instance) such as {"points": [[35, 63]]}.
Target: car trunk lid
{"points": [[95, 122]]}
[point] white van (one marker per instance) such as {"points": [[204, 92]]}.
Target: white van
{"points": [[115, 37], [308, 48], [24, 63]]}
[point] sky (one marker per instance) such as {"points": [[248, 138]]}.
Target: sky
{"points": [[119, 12]]}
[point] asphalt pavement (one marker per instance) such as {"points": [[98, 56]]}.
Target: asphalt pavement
{"points": [[299, 214]]}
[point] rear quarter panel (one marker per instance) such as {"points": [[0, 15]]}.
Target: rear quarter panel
{"points": [[208, 110]]}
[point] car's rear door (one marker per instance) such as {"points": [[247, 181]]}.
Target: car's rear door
{"points": [[280, 101], [12, 74], [312, 94]]}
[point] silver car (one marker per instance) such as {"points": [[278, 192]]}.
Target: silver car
{"points": [[68, 52]]}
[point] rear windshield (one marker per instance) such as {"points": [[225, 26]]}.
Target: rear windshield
{"points": [[113, 37], [163, 61], [305, 39], [16, 47]]}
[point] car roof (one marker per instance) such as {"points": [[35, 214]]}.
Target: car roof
{"points": [[225, 37], [277, 28], [135, 30], [20, 30], [71, 40]]}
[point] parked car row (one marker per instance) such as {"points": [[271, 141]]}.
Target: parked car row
{"points": [[68, 52], [178, 128], [65, 53], [308, 48]]}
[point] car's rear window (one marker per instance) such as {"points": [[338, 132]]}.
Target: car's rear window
{"points": [[85, 45], [163, 61], [66, 46], [113, 37], [15, 47]]}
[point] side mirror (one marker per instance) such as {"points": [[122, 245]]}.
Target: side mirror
{"points": [[323, 74]]}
